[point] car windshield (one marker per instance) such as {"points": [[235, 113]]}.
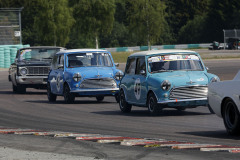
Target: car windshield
{"points": [[89, 59], [38, 54], [165, 63]]}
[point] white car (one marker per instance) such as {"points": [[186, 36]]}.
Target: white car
{"points": [[224, 101]]}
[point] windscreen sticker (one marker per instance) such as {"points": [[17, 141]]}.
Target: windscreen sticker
{"points": [[172, 58], [24, 52]]}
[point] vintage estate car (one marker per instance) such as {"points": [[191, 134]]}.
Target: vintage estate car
{"points": [[160, 79], [224, 98], [83, 72], [31, 67]]}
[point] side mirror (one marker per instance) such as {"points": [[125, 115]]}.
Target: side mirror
{"points": [[117, 64], [207, 68], [142, 72]]}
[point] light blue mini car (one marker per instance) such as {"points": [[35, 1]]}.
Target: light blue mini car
{"points": [[164, 79], [83, 72]]}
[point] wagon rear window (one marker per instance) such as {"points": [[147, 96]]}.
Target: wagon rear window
{"points": [[174, 63]]}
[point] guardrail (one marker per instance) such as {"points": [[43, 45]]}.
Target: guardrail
{"points": [[144, 48]]}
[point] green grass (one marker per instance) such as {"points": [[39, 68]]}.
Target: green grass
{"points": [[120, 57]]}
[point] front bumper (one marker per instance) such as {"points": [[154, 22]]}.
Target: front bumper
{"points": [[32, 79], [97, 91], [184, 102]]}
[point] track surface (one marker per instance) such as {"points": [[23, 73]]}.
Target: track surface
{"points": [[32, 110]]}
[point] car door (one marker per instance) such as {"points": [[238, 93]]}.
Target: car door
{"points": [[139, 85], [57, 76], [128, 80]]}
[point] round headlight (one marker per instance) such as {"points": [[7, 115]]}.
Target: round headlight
{"points": [[77, 77], [118, 75], [166, 85], [23, 71], [215, 79]]}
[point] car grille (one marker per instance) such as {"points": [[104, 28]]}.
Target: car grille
{"points": [[99, 83], [38, 70], [191, 92]]}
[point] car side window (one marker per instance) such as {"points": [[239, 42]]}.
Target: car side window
{"points": [[60, 60], [54, 62], [131, 65], [141, 65]]}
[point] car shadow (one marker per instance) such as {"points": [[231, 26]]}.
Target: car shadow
{"points": [[62, 102], [27, 93], [145, 113], [220, 134]]}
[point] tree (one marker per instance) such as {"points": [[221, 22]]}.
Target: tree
{"points": [[223, 15], [146, 19], [53, 21], [93, 17], [182, 11]]}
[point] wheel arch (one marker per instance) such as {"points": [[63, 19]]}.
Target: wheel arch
{"points": [[149, 92]]}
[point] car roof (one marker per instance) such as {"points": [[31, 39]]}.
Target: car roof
{"points": [[81, 50], [41, 47], [165, 51]]}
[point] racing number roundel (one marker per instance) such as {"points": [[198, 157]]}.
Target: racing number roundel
{"points": [[137, 88], [58, 82]]}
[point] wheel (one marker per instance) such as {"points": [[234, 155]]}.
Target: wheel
{"points": [[51, 97], [210, 109], [231, 118], [100, 98], [181, 109], [14, 88], [68, 96], [18, 88], [153, 107], [117, 97], [124, 106]]}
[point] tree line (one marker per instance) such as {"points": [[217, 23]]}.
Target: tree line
{"points": [[118, 23]]}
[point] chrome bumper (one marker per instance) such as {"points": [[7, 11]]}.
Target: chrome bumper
{"points": [[32, 79], [182, 100], [96, 90]]}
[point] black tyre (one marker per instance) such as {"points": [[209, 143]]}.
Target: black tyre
{"points": [[51, 97], [153, 107], [19, 89], [124, 106], [100, 98], [68, 96], [117, 97], [180, 109], [231, 117]]}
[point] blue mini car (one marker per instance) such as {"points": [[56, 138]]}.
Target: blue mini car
{"points": [[164, 79], [83, 72]]}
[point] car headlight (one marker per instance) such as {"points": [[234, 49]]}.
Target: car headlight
{"points": [[77, 77], [215, 79], [118, 75], [166, 85], [23, 71]]}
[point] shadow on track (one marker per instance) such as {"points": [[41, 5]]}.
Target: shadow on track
{"points": [[221, 134], [75, 102], [27, 93], [145, 113]]}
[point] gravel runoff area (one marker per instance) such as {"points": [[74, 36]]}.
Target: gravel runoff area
{"points": [[33, 155]]}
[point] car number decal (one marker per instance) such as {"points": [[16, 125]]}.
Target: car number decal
{"points": [[137, 88], [58, 82]]}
